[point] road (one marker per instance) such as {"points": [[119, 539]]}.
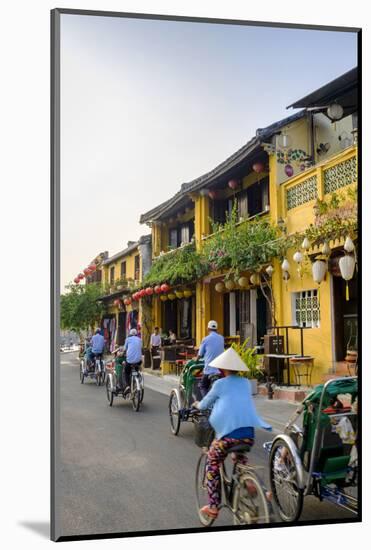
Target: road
{"points": [[124, 471]]}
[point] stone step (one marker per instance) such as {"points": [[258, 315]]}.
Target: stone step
{"points": [[293, 394]]}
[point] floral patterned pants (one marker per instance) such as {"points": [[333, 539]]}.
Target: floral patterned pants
{"points": [[215, 457]]}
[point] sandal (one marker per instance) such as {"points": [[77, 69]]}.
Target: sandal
{"points": [[210, 512]]}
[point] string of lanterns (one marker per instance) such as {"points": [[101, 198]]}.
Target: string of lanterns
{"points": [[86, 272]]}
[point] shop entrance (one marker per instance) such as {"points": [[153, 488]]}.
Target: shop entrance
{"points": [[121, 333], [345, 317]]}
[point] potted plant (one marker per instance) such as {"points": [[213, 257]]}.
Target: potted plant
{"points": [[250, 357]]}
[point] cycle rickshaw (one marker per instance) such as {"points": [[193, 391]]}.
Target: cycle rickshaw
{"points": [[95, 369], [116, 387], [319, 456]]}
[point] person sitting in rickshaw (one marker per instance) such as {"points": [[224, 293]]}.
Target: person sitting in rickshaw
{"points": [[119, 354], [233, 418]]}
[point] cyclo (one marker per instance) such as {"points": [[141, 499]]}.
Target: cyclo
{"points": [[93, 369], [318, 457], [182, 397], [116, 386]]}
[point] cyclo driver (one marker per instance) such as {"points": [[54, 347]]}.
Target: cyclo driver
{"points": [[97, 345], [133, 349]]}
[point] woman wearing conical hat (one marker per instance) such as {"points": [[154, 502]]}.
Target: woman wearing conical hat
{"points": [[233, 418]]}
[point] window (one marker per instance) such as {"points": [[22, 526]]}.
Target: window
{"points": [[136, 268], [221, 209], [181, 234], [306, 309], [112, 274], [173, 238], [123, 270]]}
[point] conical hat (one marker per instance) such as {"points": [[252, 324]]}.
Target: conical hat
{"points": [[229, 360]]}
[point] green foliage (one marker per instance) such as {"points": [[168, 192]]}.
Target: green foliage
{"points": [[250, 358], [182, 265], [242, 246], [80, 308]]}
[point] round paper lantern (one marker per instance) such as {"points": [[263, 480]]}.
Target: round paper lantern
{"points": [[92, 267], [243, 282], [163, 298], [219, 287], [348, 245], [76, 280], [255, 279], [347, 265], [319, 269], [305, 244], [187, 293], [171, 296], [258, 167], [298, 257], [213, 194], [165, 288], [127, 301], [285, 265], [116, 302], [326, 250], [335, 111], [81, 276], [143, 293], [135, 296], [86, 271], [179, 293], [157, 289], [233, 184], [229, 285], [289, 171], [269, 270], [149, 291]]}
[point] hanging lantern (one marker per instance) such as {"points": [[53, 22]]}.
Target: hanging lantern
{"points": [[213, 194], [149, 291], [284, 141], [298, 257], [143, 293], [93, 267], [165, 288], [258, 167], [269, 270], [81, 276], [220, 286], [76, 280], [286, 277], [285, 265], [348, 245], [171, 296], [163, 297], [116, 303], [335, 111], [86, 271], [229, 285], [243, 282], [347, 264], [255, 279], [157, 289], [179, 294], [305, 244], [319, 269], [187, 293], [326, 250], [233, 184]]}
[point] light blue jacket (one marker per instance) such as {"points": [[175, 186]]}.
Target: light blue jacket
{"points": [[232, 406], [211, 347], [97, 343], [133, 348]]}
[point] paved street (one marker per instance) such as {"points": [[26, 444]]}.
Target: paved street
{"points": [[124, 471]]}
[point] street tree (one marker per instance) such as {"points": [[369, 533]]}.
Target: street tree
{"points": [[80, 307]]}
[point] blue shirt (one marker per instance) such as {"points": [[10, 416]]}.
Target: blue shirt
{"points": [[211, 346], [97, 343], [133, 348], [232, 406]]}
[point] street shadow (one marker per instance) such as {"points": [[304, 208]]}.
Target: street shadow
{"points": [[42, 528]]}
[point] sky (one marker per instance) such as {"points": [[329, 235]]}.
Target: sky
{"points": [[147, 105]]}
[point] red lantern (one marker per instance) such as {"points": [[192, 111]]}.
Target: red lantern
{"points": [[233, 184], [92, 267], [135, 296], [86, 271], [213, 194], [127, 301], [149, 291], [165, 288], [258, 167], [157, 289], [80, 276], [116, 302], [76, 280]]}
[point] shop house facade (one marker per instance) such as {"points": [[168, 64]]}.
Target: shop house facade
{"points": [[283, 175]]}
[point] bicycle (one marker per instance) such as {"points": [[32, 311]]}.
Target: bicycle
{"points": [[99, 369], [134, 392], [242, 492]]}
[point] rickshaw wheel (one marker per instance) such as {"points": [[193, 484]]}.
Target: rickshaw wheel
{"points": [[287, 496], [109, 391], [82, 375], [174, 407]]}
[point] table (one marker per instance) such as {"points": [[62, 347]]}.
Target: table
{"points": [[286, 356], [306, 361]]}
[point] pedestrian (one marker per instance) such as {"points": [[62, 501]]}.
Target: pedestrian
{"points": [[211, 347], [172, 336], [155, 341]]}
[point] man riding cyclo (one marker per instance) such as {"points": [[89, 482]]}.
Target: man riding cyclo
{"points": [[233, 418], [211, 347], [97, 345], [133, 349]]}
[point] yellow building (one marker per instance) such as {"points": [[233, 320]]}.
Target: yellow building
{"points": [[120, 274], [288, 174]]}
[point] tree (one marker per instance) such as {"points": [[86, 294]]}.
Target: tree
{"points": [[80, 307]]}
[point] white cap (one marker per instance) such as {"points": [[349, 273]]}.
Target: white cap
{"points": [[133, 332], [212, 325], [229, 360]]}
